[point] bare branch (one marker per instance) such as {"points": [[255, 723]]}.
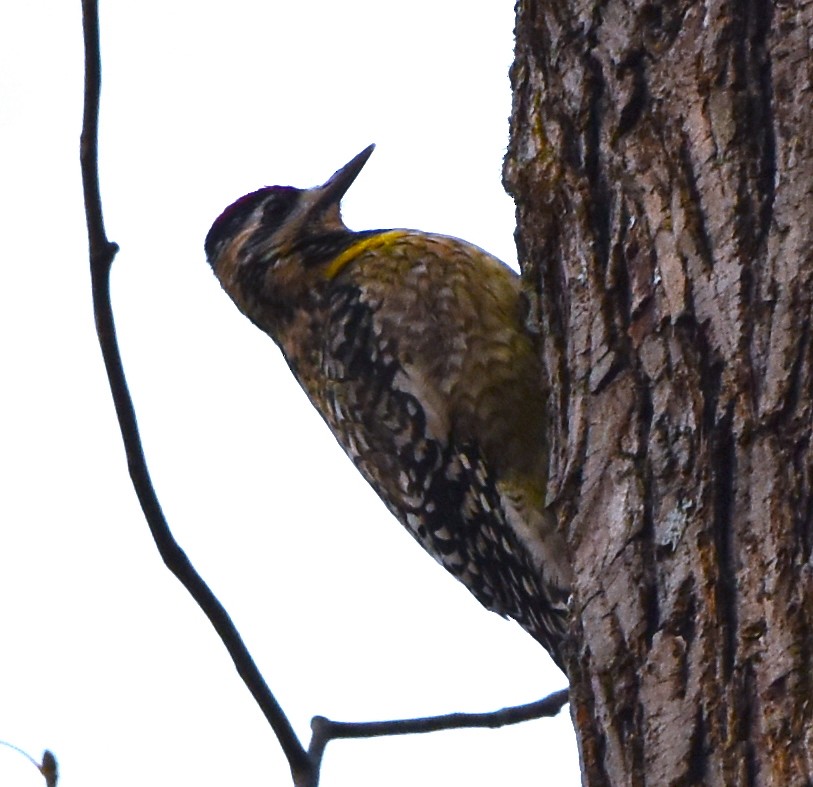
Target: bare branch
{"points": [[102, 252], [325, 730], [48, 768]]}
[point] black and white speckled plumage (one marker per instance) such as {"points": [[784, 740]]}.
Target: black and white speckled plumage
{"points": [[412, 347]]}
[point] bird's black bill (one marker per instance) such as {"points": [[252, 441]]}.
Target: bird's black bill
{"points": [[341, 180]]}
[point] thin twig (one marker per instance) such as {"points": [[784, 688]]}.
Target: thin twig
{"points": [[48, 767], [102, 252], [324, 730]]}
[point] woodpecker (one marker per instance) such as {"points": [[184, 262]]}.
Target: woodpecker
{"points": [[413, 348]]}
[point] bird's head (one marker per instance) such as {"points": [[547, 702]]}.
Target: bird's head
{"points": [[266, 248], [276, 225]]}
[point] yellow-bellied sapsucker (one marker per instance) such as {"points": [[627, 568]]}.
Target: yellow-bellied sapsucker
{"points": [[413, 348]]}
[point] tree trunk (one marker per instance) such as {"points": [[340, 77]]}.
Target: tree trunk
{"points": [[662, 163]]}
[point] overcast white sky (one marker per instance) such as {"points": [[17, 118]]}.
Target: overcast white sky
{"points": [[104, 658]]}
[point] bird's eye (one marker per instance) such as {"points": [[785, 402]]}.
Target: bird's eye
{"points": [[278, 205]]}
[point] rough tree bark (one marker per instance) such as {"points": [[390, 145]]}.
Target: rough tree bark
{"points": [[662, 163]]}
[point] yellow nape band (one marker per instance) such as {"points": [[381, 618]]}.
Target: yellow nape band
{"points": [[380, 241]]}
